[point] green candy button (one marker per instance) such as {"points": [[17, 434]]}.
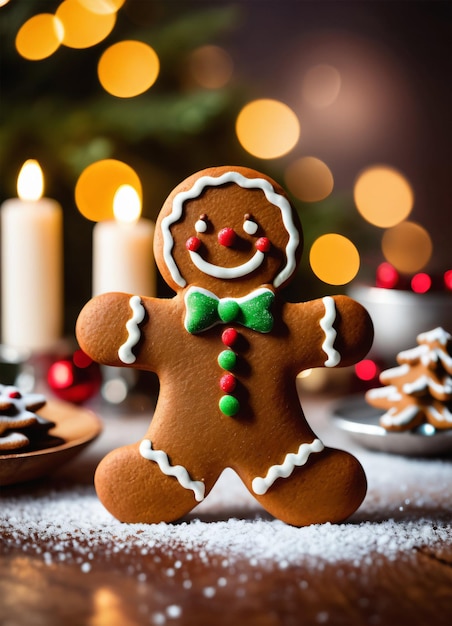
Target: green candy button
{"points": [[229, 405], [227, 360], [228, 310]]}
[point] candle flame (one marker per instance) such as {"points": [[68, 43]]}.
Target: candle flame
{"points": [[30, 182], [126, 204]]}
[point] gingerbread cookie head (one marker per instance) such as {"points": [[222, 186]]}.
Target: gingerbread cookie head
{"points": [[228, 230]]}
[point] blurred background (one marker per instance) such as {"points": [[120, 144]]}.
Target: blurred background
{"points": [[346, 104]]}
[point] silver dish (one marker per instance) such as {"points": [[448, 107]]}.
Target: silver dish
{"points": [[360, 422]]}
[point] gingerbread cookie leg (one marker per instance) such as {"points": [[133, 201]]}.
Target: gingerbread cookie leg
{"points": [[158, 489], [322, 484]]}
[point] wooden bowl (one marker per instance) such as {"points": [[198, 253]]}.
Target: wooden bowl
{"points": [[75, 426]]}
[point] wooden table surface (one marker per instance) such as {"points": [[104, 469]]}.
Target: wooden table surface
{"points": [[64, 560]]}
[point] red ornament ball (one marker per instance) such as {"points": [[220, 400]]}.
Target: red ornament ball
{"points": [[75, 379]]}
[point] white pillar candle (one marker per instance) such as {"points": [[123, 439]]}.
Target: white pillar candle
{"points": [[32, 265], [123, 259]]}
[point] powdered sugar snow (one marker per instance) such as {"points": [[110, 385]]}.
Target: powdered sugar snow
{"points": [[408, 506]]}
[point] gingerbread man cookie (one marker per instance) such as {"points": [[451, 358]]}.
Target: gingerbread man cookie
{"points": [[227, 349]]}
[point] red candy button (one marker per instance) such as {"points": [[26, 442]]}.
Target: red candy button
{"points": [[263, 244], [228, 383], [229, 337], [226, 237], [192, 244]]}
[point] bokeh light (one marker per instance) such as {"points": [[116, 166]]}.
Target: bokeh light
{"points": [[267, 128], [102, 6], [309, 179], [387, 276], [421, 283], [366, 370], [210, 67], [128, 68], [321, 86], [39, 37], [98, 184], [407, 246], [83, 28], [334, 259], [448, 279], [383, 196]]}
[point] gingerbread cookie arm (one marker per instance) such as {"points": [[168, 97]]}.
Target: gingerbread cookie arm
{"points": [[110, 328], [334, 331]]}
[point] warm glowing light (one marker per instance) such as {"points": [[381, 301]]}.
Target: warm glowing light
{"points": [[39, 37], [407, 246], [387, 276], [3, 2], [383, 196], [309, 179], [62, 374], [421, 283], [334, 259], [30, 182], [267, 128], [211, 67], [126, 204], [97, 185], [102, 6], [448, 279], [321, 86], [83, 28], [366, 370], [128, 68]]}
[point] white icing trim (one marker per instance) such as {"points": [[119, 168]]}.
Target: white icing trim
{"points": [[394, 372], [440, 416], [421, 383], [217, 271], [177, 471], [437, 334], [390, 393], [399, 418], [326, 324], [125, 351], [260, 486], [247, 183]]}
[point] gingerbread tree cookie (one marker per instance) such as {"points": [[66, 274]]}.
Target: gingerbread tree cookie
{"points": [[19, 424], [227, 349], [420, 389]]}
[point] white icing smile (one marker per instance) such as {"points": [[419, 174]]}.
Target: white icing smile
{"points": [[217, 271]]}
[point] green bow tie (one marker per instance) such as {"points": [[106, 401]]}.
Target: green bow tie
{"points": [[204, 309]]}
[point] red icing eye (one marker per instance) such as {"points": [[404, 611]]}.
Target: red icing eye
{"points": [[14, 394], [226, 237], [192, 244], [229, 337], [263, 244]]}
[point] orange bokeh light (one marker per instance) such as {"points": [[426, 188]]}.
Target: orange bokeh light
{"points": [[128, 68], [98, 184], [383, 196], [83, 28], [309, 179], [267, 128], [334, 259], [39, 37], [407, 247]]}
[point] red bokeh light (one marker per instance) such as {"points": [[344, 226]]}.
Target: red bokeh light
{"points": [[448, 279], [420, 283], [366, 369], [387, 276]]}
